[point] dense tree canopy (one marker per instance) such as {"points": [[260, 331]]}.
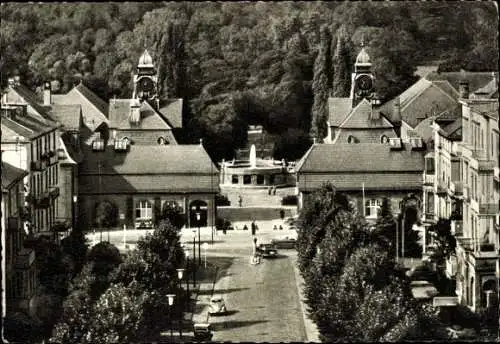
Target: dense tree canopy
{"points": [[210, 51]]}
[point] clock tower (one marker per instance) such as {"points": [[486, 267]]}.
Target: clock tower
{"points": [[362, 80], [145, 81]]}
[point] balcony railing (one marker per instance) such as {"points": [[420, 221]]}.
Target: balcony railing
{"points": [[488, 208], [466, 243], [36, 165], [53, 158], [42, 201], [54, 192], [458, 188], [428, 179], [442, 188], [466, 193], [486, 165], [429, 216]]}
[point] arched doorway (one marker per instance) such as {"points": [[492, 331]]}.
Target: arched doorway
{"points": [[198, 207], [488, 285]]}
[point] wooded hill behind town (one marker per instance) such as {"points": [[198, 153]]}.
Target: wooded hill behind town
{"points": [[239, 63]]}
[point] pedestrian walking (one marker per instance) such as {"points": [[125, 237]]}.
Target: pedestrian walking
{"points": [[275, 228], [281, 227], [253, 227], [240, 200], [274, 191], [245, 228], [269, 190]]}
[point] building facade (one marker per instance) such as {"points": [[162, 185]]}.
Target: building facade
{"points": [[357, 118], [30, 141], [461, 183], [18, 263], [366, 172]]}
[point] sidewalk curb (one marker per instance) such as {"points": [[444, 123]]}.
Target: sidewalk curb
{"points": [[312, 332]]}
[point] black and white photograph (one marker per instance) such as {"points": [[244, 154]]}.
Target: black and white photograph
{"points": [[250, 171]]}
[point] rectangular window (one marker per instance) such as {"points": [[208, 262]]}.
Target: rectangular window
{"points": [[247, 179], [371, 207], [234, 179], [144, 210]]}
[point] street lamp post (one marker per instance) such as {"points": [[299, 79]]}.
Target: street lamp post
{"points": [[180, 275], [73, 222], [198, 217], [205, 247], [187, 279], [171, 298], [194, 268]]}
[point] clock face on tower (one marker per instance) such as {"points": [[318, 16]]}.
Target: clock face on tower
{"points": [[146, 85], [365, 82]]}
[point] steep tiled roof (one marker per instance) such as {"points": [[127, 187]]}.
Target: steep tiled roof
{"points": [[29, 97], [476, 79], [68, 115], [72, 155], [133, 184], [11, 132], [424, 129], [489, 90], [360, 118], [338, 109], [10, 175], [371, 181], [173, 168], [361, 157], [453, 130], [372, 135], [27, 126], [119, 112], [94, 109], [100, 104], [170, 159], [172, 112], [422, 100], [447, 87]]}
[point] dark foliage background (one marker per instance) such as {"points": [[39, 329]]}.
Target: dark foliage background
{"points": [[241, 62]]}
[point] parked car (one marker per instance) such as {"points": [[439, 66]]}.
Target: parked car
{"points": [[217, 306], [267, 250], [286, 242], [421, 273]]}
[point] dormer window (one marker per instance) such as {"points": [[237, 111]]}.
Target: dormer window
{"points": [[384, 139], [352, 139], [98, 145], [163, 141], [121, 145], [416, 143], [395, 143]]}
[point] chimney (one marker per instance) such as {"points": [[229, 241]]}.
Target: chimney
{"points": [[47, 94], [396, 111], [463, 89], [12, 82], [135, 112], [375, 112], [17, 80]]}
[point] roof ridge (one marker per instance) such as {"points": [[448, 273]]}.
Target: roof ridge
{"points": [[415, 96], [353, 111], [442, 91]]}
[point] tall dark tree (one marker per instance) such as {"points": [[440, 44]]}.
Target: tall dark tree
{"points": [[320, 87], [386, 225], [445, 240], [341, 62]]}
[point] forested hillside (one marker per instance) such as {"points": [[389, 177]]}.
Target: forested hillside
{"points": [[244, 62]]}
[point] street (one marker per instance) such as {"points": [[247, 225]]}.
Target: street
{"points": [[262, 300]]}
